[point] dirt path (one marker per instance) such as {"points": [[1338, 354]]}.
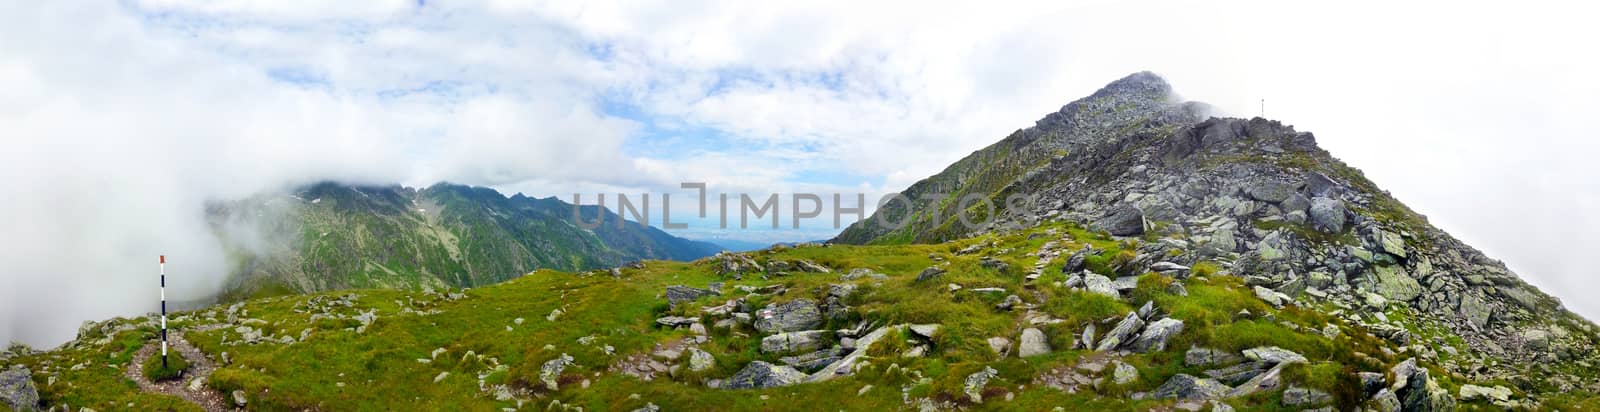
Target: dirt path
{"points": [[199, 367]]}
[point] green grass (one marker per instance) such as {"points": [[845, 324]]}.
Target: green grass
{"points": [[175, 366], [379, 367]]}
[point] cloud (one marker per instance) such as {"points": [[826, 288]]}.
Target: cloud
{"points": [[121, 121]]}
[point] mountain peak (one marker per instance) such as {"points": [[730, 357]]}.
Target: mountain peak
{"points": [[1144, 83]]}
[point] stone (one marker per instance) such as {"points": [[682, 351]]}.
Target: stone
{"points": [[999, 345], [791, 342], [1386, 401], [1239, 373], [239, 398], [1077, 261], [1535, 339], [1123, 221], [1032, 343], [759, 374], [1087, 341], [1187, 387], [931, 273], [1202, 357], [676, 321], [795, 315], [1119, 335], [1299, 397], [1165, 267], [1267, 381], [1273, 355], [1270, 192], [1008, 303], [17, 390], [975, 383], [1146, 310], [1327, 215], [1392, 243], [1155, 336], [924, 331], [550, 372], [700, 360], [1475, 310], [1470, 392], [1272, 297], [1295, 203], [1371, 382], [1395, 284], [679, 293], [1097, 283], [1123, 374]]}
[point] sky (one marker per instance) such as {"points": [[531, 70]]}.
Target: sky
{"points": [[121, 119]]}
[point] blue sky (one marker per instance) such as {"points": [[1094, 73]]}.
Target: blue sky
{"points": [[126, 117]]}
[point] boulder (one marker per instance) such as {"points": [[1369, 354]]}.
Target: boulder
{"points": [[975, 383], [1470, 392], [1169, 267], [1077, 261], [700, 360], [1385, 401], [924, 331], [791, 342], [1097, 283], [760, 374], [1119, 335], [1155, 335], [1271, 192], [1198, 356], [1395, 284], [1032, 343], [798, 314], [1417, 391], [1272, 297], [1186, 387], [931, 273], [1273, 355], [1123, 221], [679, 293], [17, 390], [1392, 243], [1327, 215], [550, 372], [999, 345], [1295, 203], [1123, 374], [676, 321], [1302, 397]]}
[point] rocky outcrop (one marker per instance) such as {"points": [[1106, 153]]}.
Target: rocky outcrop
{"points": [[17, 390], [760, 374], [795, 315]]}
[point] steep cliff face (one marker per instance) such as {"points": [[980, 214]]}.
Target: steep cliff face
{"points": [[330, 236], [1264, 202]]}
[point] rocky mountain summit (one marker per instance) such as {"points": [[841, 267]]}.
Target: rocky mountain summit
{"points": [[1167, 261]]}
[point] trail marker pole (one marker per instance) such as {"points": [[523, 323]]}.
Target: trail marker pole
{"points": [[163, 311]]}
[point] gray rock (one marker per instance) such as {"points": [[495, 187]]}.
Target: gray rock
{"points": [[1125, 330], [1010, 302], [760, 374], [1100, 284], [1123, 374], [1392, 243], [975, 383], [1267, 381], [1155, 335], [700, 360], [1032, 343], [17, 390], [1239, 373], [791, 342], [1295, 203], [1327, 215], [1202, 357], [1077, 261], [925, 331], [550, 372], [1298, 397], [1271, 192], [1088, 337], [1165, 267], [1123, 221], [931, 273], [799, 314], [239, 399], [1186, 387], [676, 321], [1475, 310], [1272, 297], [1470, 392], [1371, 382], [1395, 284], [1385, 401], [1418, 391], [999, 345], [1273, 355], [679, 293]]}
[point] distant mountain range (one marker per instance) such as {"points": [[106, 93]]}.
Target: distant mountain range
{"points": [[334, 236]]}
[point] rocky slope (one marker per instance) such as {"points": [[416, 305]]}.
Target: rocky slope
{"points": [[1269, 205], [331, 236]]}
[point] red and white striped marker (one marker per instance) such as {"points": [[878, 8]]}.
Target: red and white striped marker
{"points": [[163, 311]]}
